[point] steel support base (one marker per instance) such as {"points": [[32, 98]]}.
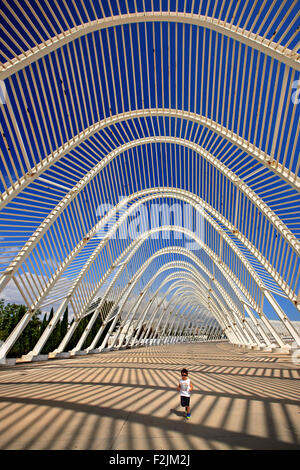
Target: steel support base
{"points": [[7, 361], [62, 355], [33, 358]]}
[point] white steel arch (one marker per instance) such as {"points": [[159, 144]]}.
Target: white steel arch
{"points": [[126, 292], [216, 259], [184, 286], [136, 276], [283, 231], [26, 318], [195, 102], [273, 49]]}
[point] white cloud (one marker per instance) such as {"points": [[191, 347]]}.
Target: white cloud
{"points": [[12, 294]]}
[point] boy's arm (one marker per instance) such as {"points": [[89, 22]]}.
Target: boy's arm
{"points": [[178, 387], [191, 387]]}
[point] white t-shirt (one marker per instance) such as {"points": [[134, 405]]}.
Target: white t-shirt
{"points": [[185, 387]]}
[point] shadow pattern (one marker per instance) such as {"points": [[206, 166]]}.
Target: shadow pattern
{"points": [[128, 401]]}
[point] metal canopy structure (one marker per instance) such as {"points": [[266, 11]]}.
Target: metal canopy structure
{"points": [[150, 160]]}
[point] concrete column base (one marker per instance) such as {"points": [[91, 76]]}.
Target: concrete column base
{"points": [[97, 350], [33, 358], [242, 346], [64, 355], [282, 350], [271, 347], [256, 348], [7, 361], [78, 353], [92, 351]]}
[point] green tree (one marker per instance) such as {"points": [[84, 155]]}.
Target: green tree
{"points": [[64, 325], [44, 323], [10, 315], [57, 334]]}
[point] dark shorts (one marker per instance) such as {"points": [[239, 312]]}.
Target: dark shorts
{"points": [[185, 401]]}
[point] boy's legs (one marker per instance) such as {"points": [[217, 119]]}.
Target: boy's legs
{"points": [[188, 408], [185, 401]]}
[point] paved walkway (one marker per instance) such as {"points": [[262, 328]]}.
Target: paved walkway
{"points": [[127, 400]]}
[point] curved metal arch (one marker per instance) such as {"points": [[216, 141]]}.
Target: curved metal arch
{"points": [[184, 195], [178, 250], [205, 317], [259, 155], [57, 315], [186, 253], [229, 174], [228, 279], [125, 294], [19, 328], [127, 290], [174, 327], [282, 54], [267, 212], [147, 263], [136, 246], [180, 265], [115, 227], [28, 315], [130, 342], [193, 200], [278, 310], [184, 287], [243, 239], [239, 330], [232, 307], [168, 279], [158, 316]]}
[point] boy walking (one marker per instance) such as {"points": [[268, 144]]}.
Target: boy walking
{"points": [[185, 388]]}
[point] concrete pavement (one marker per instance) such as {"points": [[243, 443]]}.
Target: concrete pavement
{"points": [[127, 400]]}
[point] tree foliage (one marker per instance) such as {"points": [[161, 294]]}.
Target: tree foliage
{"points": [[11, 314]]}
